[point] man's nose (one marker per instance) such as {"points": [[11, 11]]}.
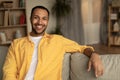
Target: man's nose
{"points": [[39, 21]]}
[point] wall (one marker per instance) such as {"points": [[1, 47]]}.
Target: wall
{"points": [[46, 3]]}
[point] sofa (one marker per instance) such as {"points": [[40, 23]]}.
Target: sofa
{"points": [[3, 52], [75, 66]]}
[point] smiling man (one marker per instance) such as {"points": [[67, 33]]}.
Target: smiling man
{"points": [[39, 21], [39, 55]]}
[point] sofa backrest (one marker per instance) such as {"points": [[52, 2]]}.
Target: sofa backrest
{"points": [[3, 52], [78, 67]]}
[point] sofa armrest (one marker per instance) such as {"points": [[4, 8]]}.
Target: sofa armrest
{"points": [[79, 64], [66, 66]]}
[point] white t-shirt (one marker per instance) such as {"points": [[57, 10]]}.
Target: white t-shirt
{"points": [[32, 68]]}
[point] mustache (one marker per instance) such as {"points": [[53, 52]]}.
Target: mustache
{"points": [[39, 25]]}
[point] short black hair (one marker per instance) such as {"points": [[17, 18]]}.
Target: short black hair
{"points": [[40, 7]]}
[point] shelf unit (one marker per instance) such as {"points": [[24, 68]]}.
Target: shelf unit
{"points": [[12, 19], [113, 25]]}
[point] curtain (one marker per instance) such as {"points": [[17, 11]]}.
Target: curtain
{"points": [[91, 11], [103, 24], [72, 27]]}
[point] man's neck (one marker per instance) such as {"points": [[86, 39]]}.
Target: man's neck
{"points": [[35, 34]]}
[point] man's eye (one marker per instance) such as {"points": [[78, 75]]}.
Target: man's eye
{"points": [[35, 17], [45, 18]]}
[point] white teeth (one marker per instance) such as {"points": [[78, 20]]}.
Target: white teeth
{"points": [[39, 27]]}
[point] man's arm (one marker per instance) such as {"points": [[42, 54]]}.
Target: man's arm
{"points": [[94, 62]]}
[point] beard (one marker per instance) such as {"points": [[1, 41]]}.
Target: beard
{"points": [[34, 30]]}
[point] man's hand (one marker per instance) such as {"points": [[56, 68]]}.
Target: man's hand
{"points": [[96, 63]]}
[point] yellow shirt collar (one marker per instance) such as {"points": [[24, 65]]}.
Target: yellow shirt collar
{"points": [[46, 35]]}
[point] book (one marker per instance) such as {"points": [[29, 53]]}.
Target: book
{"points": [[6, 15], [22, 19], [1, 18], [10, 19]]}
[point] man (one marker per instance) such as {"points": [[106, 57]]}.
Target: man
{"points": [[39, 56]]}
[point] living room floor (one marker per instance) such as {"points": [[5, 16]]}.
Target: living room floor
{"points": [[104, 49]]}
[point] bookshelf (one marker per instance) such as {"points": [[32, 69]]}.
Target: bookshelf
{"points": [[114, 26], [12, 20]]}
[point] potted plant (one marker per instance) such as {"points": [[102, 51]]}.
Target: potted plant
{"points": [[60, 9]]}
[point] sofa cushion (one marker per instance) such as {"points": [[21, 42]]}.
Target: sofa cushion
{"points": [[3, 52], [79, 64]]}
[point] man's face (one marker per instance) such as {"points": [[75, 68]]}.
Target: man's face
{"points": [[39, 21]]}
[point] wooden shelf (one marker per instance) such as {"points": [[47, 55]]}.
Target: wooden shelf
{"points": [[4, 9], [115, 31], [113, 36], [6, 43], [17, 9], [115, 45], [12, 19], [13, 26]]}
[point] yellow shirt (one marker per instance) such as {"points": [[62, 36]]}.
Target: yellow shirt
{"points": [[50, 56]]}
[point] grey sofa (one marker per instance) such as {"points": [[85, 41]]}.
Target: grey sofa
{"points": [[75, 66], [3, 52]]}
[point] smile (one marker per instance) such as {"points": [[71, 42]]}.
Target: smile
{"points": [[39, 27]]}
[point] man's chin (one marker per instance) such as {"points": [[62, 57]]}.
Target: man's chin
{"points": [[40, 33]]}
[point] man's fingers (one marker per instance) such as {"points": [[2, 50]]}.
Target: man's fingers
{"points": [[99, 71], [89, 65], [96, 73]]}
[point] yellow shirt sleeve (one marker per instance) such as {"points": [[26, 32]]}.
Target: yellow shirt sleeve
{"points": [[72, 46]]}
